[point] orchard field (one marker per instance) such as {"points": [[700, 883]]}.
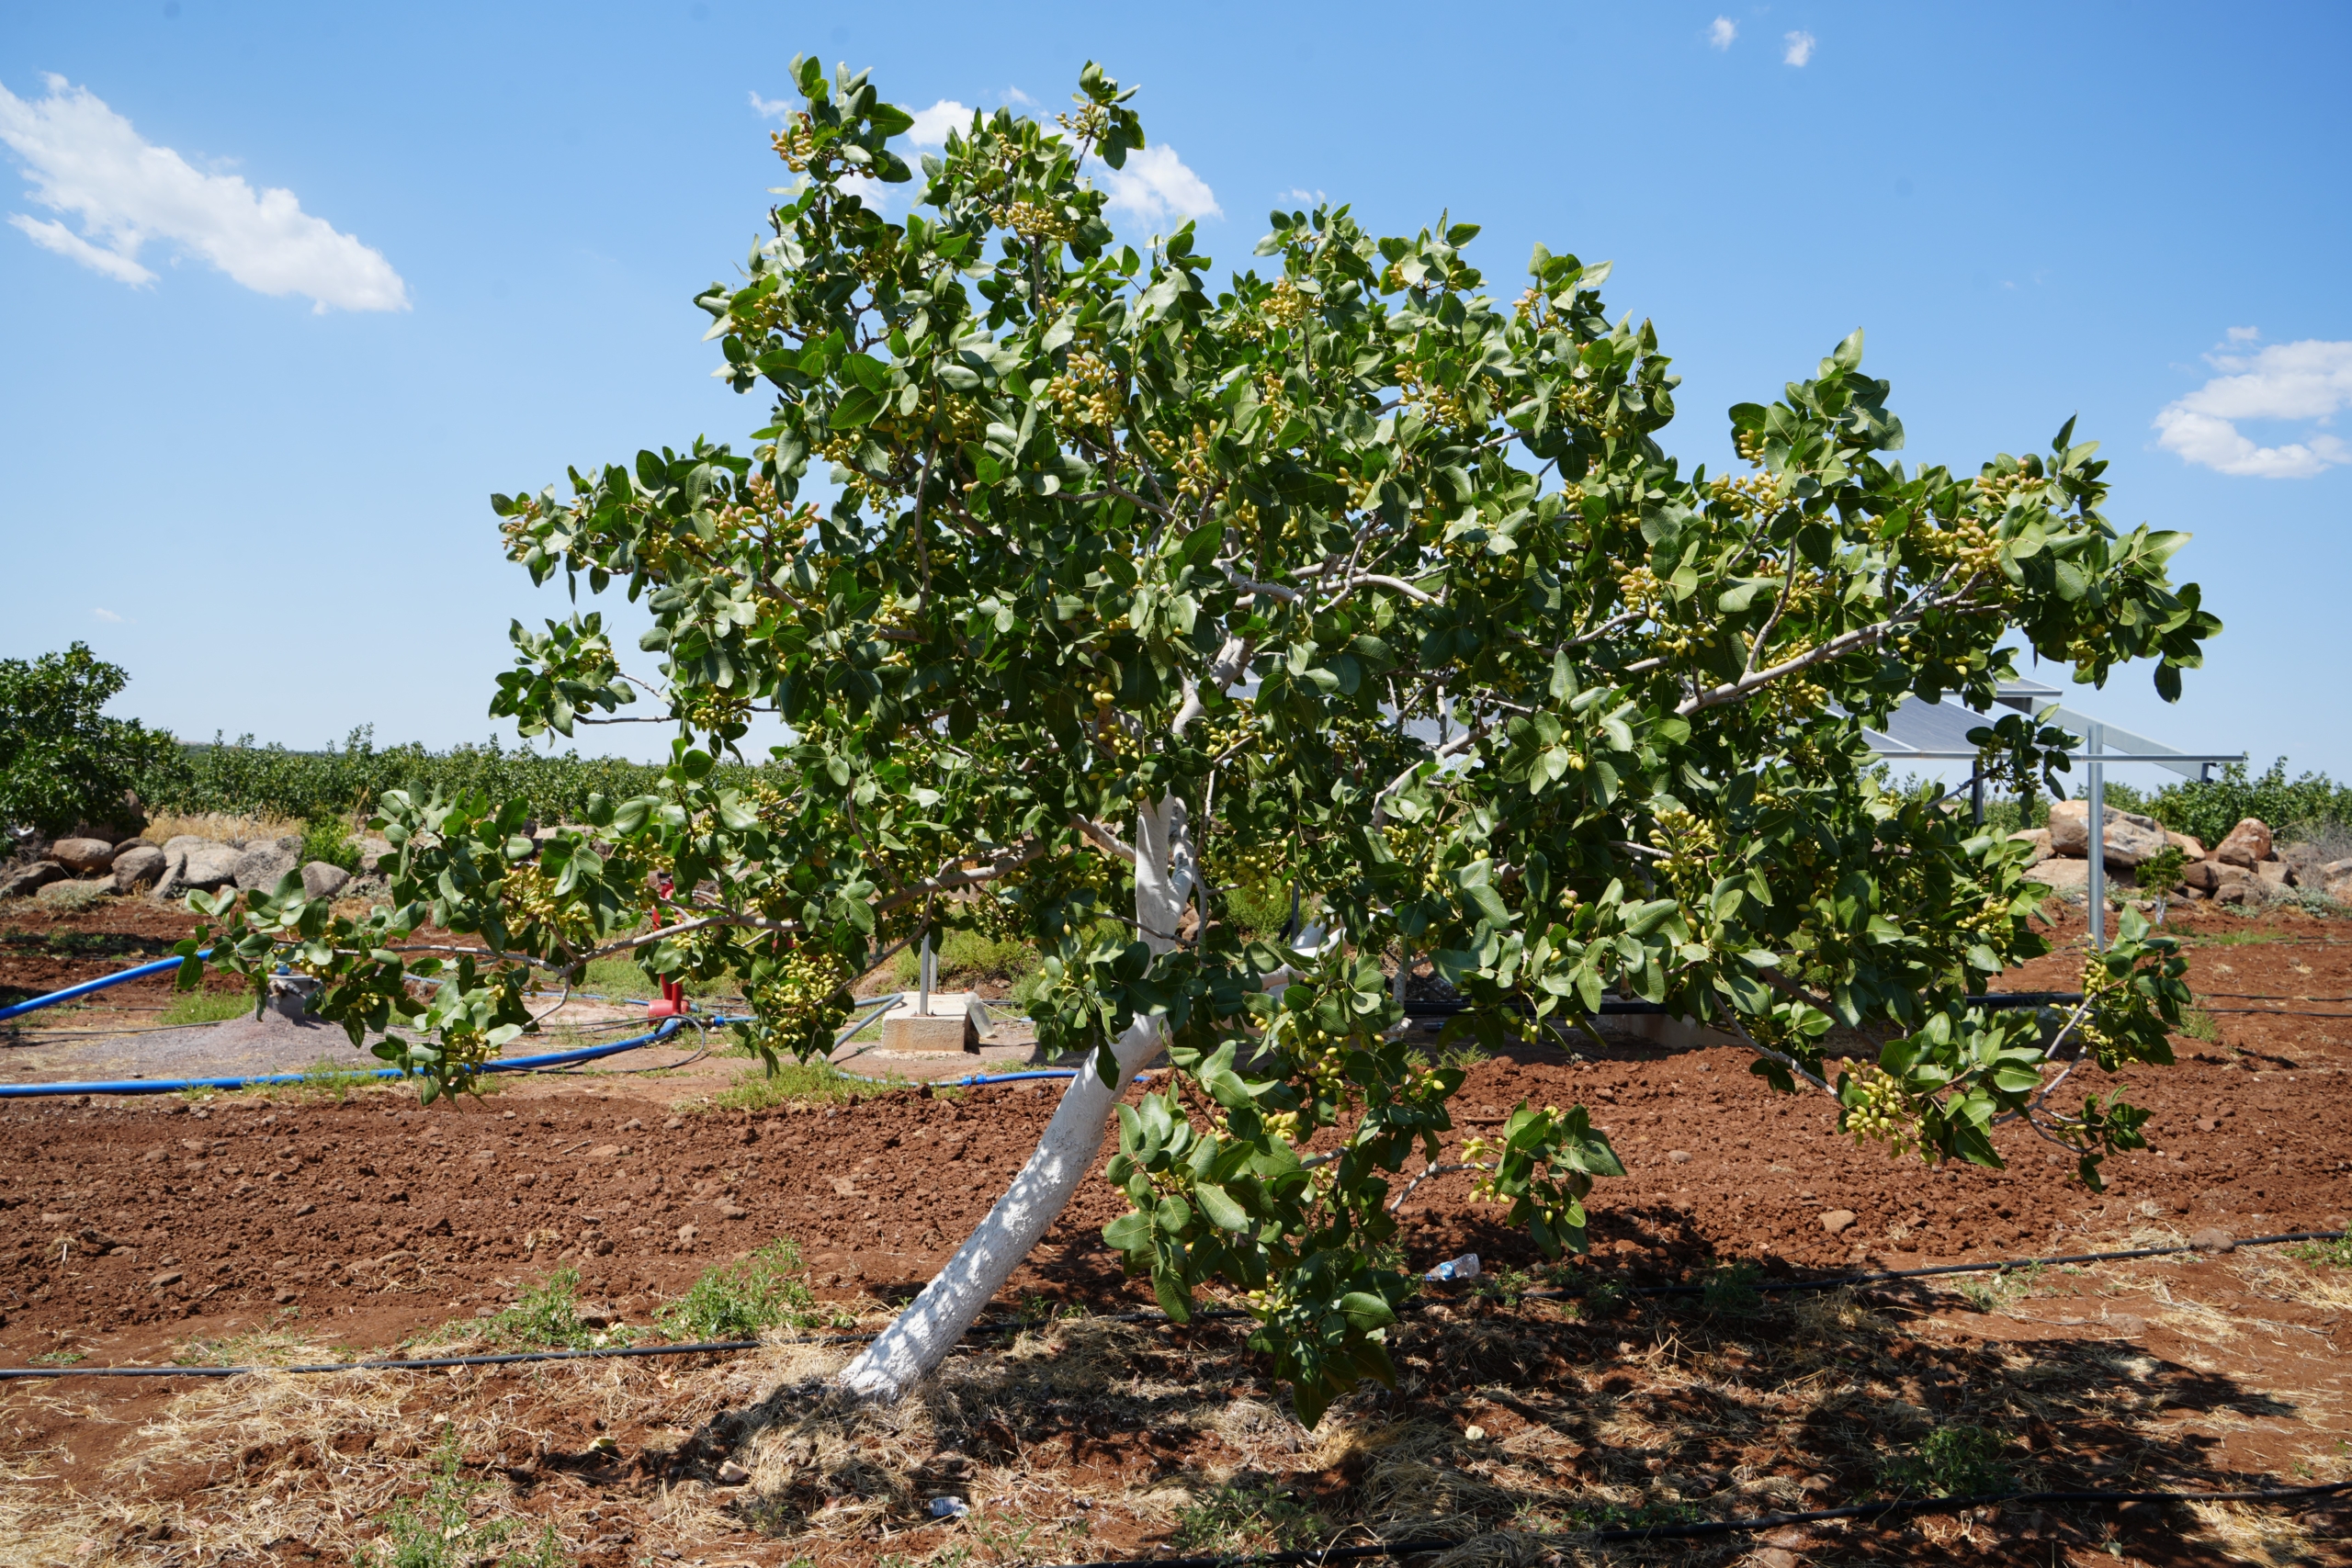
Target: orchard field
{"points": [[329, 1223]]}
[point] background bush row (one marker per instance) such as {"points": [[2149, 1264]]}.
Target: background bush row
{"points": [[239, 778]]}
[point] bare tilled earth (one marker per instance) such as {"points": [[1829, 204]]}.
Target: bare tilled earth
{"points": [[146, 1231]]}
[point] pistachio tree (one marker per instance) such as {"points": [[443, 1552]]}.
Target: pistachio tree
{"points": [[1089, 588]]}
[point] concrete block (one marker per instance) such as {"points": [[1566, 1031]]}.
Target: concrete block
{"points": [[956, 1021]]}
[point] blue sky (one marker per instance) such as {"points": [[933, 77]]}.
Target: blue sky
{"points": [[248, 436]]}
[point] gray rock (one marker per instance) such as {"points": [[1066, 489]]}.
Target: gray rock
{"points": [[258, 869], [137, 865], [2126, 837], [209, 865], [2061, 875], [83, 857], [183, 842], [320, 880], [371, 851], [2304, 859], [2037, 844], [27, 880], [2274, 876]]}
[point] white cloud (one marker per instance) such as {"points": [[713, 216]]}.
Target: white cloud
{"points": [[1303, 197], [2244, 334], [51, 235], [108, 616], [931, 124], [770, 109], [1720, 32], [1800, 50], [85, 159], [2304, 381], [1015, 95], [1156, 182]]}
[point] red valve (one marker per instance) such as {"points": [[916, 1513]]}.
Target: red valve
{"points": [[672, 1003]]}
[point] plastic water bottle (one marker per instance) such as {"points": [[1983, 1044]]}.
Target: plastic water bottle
{"points": [[949, 1508], [1463, 1268]]}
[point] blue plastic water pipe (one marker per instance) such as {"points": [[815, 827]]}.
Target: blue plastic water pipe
{"points": [[161, 966], [176, 1086]]}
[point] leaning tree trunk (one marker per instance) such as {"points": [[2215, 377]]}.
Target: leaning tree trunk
{"points": [[933, 1321]]}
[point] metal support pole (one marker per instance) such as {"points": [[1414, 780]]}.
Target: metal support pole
{"points": [[2095, 743], [930, 977], [1976, 795]]}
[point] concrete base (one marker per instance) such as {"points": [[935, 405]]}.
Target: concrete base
{"points": [[956, 1022], [1658, 1029]]}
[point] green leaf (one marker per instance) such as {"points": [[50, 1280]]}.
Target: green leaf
{"points": [[1220, 1208], [858, 407]]}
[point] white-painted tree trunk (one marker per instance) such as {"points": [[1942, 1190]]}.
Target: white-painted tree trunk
{"points": [[923, 1334]]}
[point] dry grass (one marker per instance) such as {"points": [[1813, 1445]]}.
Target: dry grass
{"points": [[76, 895], [219, 827], [1082, 1438], [2287, 1278]]}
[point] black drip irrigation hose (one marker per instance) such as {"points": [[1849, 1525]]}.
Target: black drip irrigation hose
{"points": [[1017, 1324], [1738, 1527], [1839, 1282]]}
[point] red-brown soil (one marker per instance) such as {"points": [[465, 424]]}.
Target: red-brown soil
{"points": [[129, 1227]]}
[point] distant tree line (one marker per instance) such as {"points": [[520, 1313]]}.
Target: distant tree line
{"points": [[65, 763]]}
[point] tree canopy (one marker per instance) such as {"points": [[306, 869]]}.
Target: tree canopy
{"points": [[63, 763], [1346, 572]]}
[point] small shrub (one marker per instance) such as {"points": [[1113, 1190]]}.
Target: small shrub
{"points": [[1729, 1290], [438, 1529], [736, 1301], [1259, 911], [1638, 1516], [2160, 873], [1245, 1518], [75, 897], [546, 1318], [1953, 1461], [1995, 1294], [329, 838], [2336, 1254], [1602, 1300]]}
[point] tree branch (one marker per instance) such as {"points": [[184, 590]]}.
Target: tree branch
{"points": [[1104, 839], [1836, 646]]}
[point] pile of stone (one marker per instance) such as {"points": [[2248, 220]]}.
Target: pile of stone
{"points": [[2245, 867], [170, 870]]}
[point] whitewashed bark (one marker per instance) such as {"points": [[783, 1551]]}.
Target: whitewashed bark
{"points": [[931, 1325]]}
